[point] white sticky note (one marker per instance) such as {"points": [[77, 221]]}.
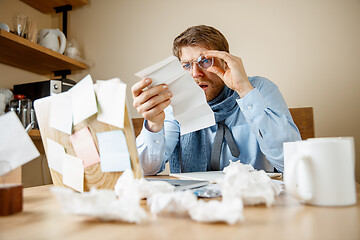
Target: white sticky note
{"points": [[73, 172], [83, 100], [110, 96], [61, 116], [189, 101], [114, 153], [55, 155], [16, 147]]}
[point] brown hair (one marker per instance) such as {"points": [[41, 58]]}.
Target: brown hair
{"points": [[200, 35]]}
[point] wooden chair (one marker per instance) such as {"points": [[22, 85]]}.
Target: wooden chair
{"points": [[137, 124], [303, 118]]}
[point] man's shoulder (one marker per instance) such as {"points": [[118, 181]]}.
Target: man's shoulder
{"points": [[261, 82]]}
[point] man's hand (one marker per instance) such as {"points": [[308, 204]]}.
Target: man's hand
{"points": [[150, 103], [233, 74]]}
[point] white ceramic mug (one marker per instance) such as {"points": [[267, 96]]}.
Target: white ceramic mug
{"points": [[321, 171]]}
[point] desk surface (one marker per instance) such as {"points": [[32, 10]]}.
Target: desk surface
{"points": [[287, 219]]}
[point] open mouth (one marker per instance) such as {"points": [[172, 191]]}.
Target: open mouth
{"points": [[203, 86]]}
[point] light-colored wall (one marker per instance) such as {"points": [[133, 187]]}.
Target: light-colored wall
{"points": [[310, 49]]}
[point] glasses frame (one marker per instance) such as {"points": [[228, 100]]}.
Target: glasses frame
{"points": [[197, 61]]}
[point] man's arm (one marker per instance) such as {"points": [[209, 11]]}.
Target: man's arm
{"points": [[155, 148], [269, 118], [150, 102], [264, 108]]}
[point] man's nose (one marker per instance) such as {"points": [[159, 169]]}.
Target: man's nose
{"points": [[196, 71]]}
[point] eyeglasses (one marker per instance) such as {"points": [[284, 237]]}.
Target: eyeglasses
{"points": [[203, 63]]}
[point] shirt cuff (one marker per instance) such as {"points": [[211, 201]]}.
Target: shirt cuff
{"points": [[252, 105], [151, 138]]}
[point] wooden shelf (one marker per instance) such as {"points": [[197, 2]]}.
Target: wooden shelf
{"points": [[22, 53], [35, 134], [47, 6]]}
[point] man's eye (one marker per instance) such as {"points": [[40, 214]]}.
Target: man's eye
{"points": [[186, 65], [204, 61]]}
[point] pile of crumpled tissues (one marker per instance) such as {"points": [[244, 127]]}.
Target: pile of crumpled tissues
{"points": [[241, 185]]}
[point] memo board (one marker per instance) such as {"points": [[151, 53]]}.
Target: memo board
{"points": [[93, 176]]}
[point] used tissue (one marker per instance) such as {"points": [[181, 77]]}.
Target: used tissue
{"points": [[123, 204], [253, 187], [102, 204]]}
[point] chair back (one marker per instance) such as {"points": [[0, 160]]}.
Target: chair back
{"points": [[304, 119]]}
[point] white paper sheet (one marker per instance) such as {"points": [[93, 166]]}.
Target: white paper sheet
{"points": [[83, 99], [55, 155], [61, 116], [114, 153], [110, 96], [211, 176], [73, 172], [189, 102], [16, 147]]}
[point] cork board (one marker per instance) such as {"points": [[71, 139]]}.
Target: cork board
{"points": [[93, 176]]}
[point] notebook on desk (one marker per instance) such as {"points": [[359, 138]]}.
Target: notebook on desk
{"points": [[181, 184], [211, 176]]}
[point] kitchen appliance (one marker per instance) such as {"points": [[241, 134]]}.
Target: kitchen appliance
{"points": [[36, 90]]}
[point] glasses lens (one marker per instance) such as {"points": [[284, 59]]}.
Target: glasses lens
{"points": [[205, 63], [186, 66]]}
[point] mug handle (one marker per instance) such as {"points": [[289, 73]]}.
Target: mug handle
{"points": [[62, 37], [292, 186]]}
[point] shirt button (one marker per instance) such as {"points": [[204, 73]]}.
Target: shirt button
{"points": [[249, 107], [157, 141]]}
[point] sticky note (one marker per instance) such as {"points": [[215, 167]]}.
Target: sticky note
{"points": [[16, 147], [83, 99], [73, 172], [110, 96], [84, 147], [61, 117], [55, 155], [114, 153]]}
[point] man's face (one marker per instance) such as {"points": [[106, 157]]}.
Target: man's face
{"points": [[209, 82]]}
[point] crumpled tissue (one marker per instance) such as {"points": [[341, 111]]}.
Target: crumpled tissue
{"points": [[176, 202], [127, 184], [229, 211], [102, 204], [123, 204], [241, 185], [253, 187]]}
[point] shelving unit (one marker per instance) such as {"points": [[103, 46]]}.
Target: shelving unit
{"points": [[22, 53], [48, 6], [35, 134]]}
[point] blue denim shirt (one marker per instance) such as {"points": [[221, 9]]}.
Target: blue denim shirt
{"points": [[260, 126]]}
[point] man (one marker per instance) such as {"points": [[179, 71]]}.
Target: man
{"points": [[252, 117]]}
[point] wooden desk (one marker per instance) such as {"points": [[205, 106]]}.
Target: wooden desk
{"points": [[42, 219]]}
